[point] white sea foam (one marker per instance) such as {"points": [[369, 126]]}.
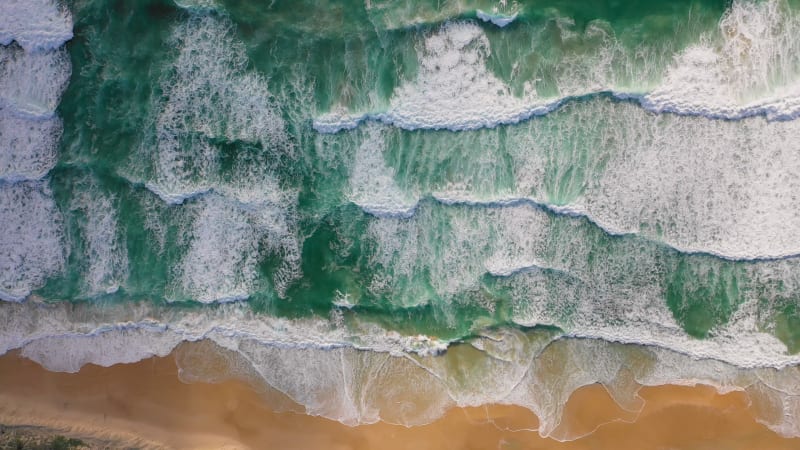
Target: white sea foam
{"points": [[324, 368], [104, 249], [701, 186], [31, 84], [227, 324], [617, 298], [28, 148], [719, 187], [455, 247], [35, 24], [292, 354], [234, 215], [225, 247], [212, 96], [30, 89], [372, 184], [32, 244], [747, 68], [221, 263], [453, 89], [636, 313], [751, 71]]}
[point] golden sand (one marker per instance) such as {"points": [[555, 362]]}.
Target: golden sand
{"points": [[146, 405]]}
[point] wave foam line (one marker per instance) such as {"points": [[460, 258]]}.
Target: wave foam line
{"points": [[29, 322], [774, 109], [58, 335], [405, 211], [747, 68], [65, 337]]}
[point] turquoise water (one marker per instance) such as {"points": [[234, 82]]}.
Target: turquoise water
{"points": [[357, 57], [407, 174]]}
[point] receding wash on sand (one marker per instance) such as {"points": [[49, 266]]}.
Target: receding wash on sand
{"points": [[382, 212], [116, 407]]}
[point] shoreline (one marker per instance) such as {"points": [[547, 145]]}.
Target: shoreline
{"points": [[146, 405]]}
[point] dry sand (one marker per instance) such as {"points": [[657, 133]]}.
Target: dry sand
{"points": [[145, 405]]}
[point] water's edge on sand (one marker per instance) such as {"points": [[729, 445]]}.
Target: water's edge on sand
{"points": [[145, 405]]}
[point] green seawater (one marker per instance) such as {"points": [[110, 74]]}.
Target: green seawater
{"points": [[271, 214]]}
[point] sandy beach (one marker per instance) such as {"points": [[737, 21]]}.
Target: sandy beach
{"points": [[145, 405]]}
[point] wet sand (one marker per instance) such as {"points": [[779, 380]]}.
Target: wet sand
{"points": [[145, 405]]}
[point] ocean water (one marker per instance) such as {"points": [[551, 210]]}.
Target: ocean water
{"points": [[385, 209]]}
